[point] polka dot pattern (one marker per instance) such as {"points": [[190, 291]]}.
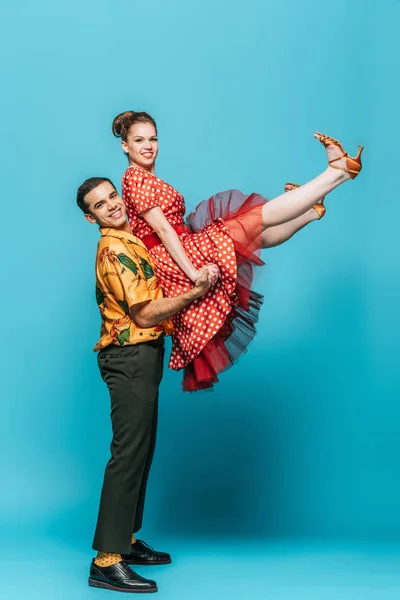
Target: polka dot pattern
{"points": [[142, 190], [106, 559], [200, 321]]}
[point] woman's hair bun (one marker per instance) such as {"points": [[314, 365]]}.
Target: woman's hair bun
{"points": [[124, 121]]}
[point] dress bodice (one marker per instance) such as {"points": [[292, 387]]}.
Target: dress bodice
{"points": [[142, 190]]}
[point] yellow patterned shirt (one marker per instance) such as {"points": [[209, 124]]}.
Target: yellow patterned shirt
{"points": [[124, 277]]}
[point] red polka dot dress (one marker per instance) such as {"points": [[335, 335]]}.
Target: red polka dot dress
{"points": [[211, 333]]}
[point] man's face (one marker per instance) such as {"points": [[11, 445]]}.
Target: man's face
{"points": [[105, 207]]}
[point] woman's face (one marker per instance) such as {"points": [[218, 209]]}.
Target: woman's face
{"points": [[142, 145]]}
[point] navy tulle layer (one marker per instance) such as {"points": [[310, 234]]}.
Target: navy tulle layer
{"points": [[242, 216]]}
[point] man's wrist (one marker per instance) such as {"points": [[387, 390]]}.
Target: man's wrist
{"points": [[192, 294]]}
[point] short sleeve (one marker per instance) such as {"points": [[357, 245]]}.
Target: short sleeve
{"points": [[139, 190], [122, 278]]}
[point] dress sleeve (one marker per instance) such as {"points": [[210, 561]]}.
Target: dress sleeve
{"points": [[139, 190], [123, 279]]}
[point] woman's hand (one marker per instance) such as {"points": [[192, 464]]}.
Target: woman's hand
{"points": [[213, 273]]}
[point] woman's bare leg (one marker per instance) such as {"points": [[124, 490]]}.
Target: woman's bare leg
{"points": [[295, 203], [273, 236]]}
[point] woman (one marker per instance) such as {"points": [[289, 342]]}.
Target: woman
{"points": [[227, 231]]}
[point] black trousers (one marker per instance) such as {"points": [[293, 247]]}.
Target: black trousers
{"points": [[133, 375]]}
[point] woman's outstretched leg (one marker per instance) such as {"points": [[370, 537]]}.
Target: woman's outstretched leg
{"points": [[274, 236], [297, 202]]}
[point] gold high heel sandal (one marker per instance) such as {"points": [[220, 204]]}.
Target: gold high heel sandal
{"points": [[319, 208], [353, 164]]}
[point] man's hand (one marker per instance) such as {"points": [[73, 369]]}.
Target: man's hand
{"points": [[213, 271], [203, 283]]}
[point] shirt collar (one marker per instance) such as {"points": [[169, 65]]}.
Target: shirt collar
{"points": [[119, 234]]}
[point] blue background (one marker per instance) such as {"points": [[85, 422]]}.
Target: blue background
{"points": [[301, 439]]}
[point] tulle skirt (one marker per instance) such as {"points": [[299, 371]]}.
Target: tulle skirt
{"points": [[242, 217]]}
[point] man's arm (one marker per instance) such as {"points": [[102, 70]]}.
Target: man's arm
{"points": [[151, 313]]}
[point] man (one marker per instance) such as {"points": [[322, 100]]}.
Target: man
{"points": [[135, 319]]}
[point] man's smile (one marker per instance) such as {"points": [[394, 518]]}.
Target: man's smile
{"points": [[116, 214]]}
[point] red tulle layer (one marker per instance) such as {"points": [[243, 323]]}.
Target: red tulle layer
{"points": [[242, 217]]}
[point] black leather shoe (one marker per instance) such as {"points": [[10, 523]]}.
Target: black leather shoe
{"points": [[143, 554], [120, 578]]}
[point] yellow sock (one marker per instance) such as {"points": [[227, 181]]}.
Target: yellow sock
{"points": [[133, 538], [106, 559]]}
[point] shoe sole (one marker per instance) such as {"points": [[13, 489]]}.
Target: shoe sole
{"points": [[148, 563], [107, 586]]}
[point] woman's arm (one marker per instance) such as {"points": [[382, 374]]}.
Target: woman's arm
{"points": [[170, 239], [143, 194]]}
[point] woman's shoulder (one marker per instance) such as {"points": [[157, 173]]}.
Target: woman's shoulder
{"points": [[137, 174], [137, 177]]}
